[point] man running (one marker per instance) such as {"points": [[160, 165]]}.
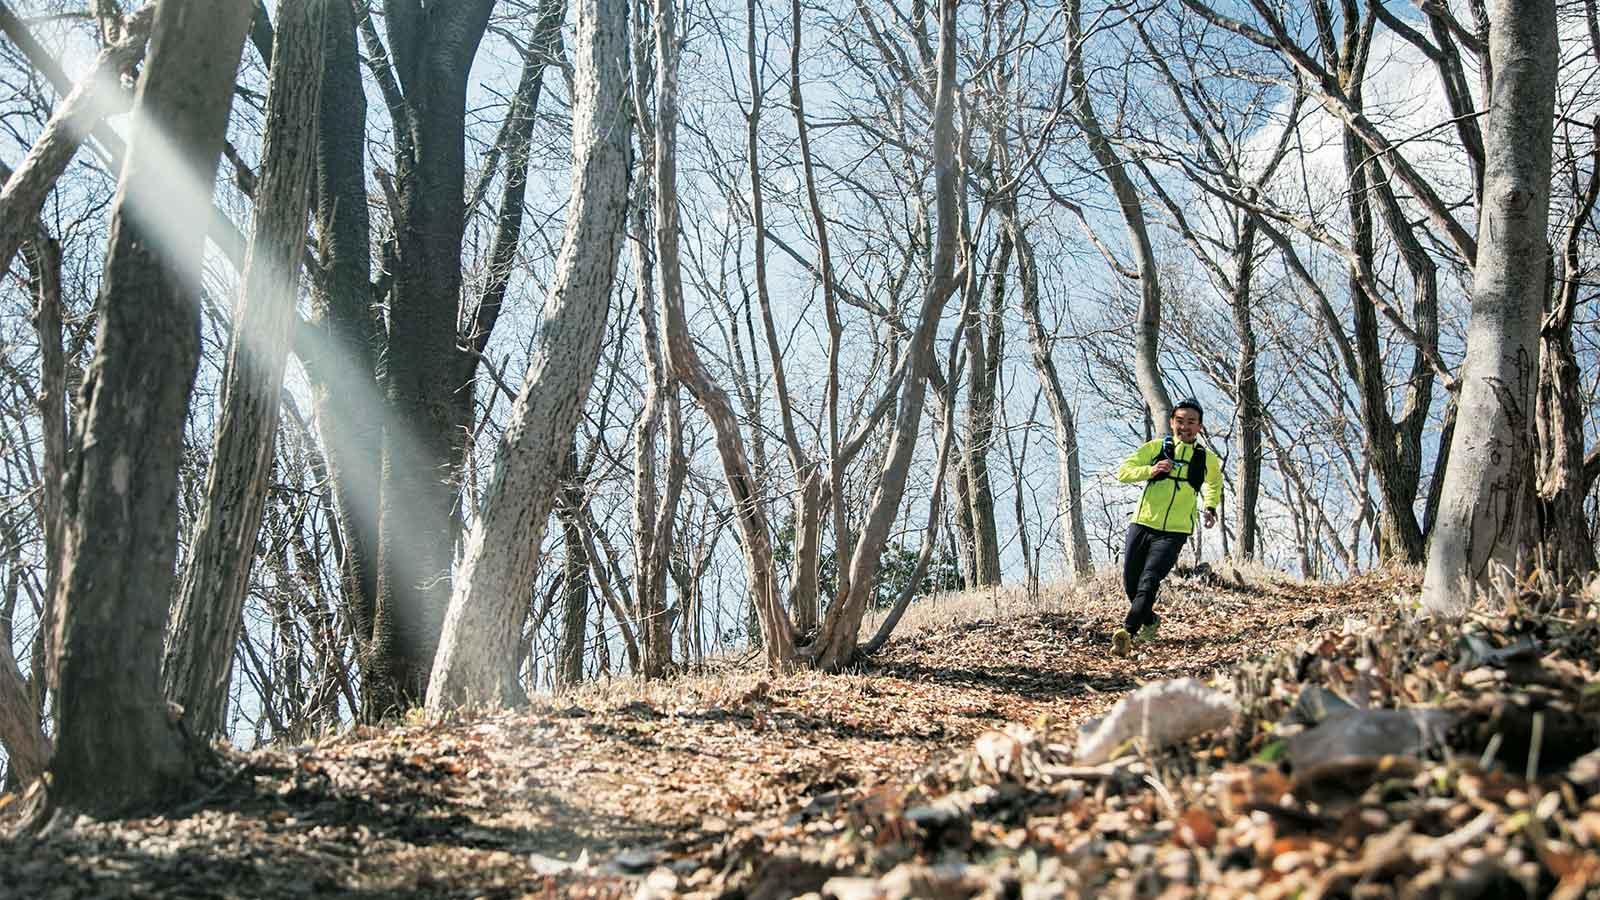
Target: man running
{"points": [[1175, 471]]}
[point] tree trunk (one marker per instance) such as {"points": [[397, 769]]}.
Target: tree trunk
{"points": [[805, 594], [1069, 470], [117, 746], [481, 627], [1147, 324], [1484, 513], [23, 738], [575, 579], [205, 622], [966, 529], [1248, 386], [341, 349], [1566, 546], [836, 645], [44, 263], [427, 383], [984, 346], [655, 503]]}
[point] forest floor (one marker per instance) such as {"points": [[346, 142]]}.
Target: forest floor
{"points": [[945, 768]]}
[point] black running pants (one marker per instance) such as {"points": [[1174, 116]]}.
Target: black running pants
{"points": [[1149, 555]]}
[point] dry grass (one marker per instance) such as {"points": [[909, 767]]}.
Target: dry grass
{"points": [[942, 610]]}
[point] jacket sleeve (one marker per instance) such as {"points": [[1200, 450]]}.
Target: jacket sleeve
{"points": [[1136, 468], [1213, 485]]}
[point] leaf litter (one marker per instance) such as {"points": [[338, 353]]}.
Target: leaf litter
{"points": [[1371, 754]]}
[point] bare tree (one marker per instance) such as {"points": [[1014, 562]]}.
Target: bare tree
{"points": [[1485, 514], [117, 746], [1147, 323], [836, 645], [478, 647], [428, 375]]}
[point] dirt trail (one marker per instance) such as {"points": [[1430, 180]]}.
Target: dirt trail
{"points": [[581, 796]]}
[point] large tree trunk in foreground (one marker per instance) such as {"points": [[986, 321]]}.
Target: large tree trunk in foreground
{"points": [[481, 628], [206, 620], [1484, 513], [836, 644], [117, 746]]}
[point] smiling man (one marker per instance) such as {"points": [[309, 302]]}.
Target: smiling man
{"points": [[1175, 471]]}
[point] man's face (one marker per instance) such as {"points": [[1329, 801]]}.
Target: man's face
{"points": [[1186, 425]]}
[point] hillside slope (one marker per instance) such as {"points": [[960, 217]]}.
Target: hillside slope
{"points": [[944, 768]]}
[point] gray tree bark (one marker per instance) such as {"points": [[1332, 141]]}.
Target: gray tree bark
{"points": [[1566, 546], [985, 337], [1485, 513], [207, 617], [655, 501], [117, 746], [480, 632]]}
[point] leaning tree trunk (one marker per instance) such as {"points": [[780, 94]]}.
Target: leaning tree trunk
{"points": [[836, 644], [481, 628], [772, 624], [205, 622], [117, 746], [1147, 324], [1484, 513]]}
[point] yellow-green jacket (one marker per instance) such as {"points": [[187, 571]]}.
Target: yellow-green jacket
{"points": [[1169, 504]]}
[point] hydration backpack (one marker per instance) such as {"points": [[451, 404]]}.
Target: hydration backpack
{"points": [[1196, 463]]}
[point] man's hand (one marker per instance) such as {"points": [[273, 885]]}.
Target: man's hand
{"points": [[1160, 469], [1210, 518]]}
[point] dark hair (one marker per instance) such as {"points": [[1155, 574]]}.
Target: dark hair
{"points": [[1190, 403]]}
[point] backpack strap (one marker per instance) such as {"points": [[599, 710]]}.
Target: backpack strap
{"points": [[1197, 468]]}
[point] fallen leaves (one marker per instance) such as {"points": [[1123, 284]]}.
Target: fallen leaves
{"points": [[1370, 754]]}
